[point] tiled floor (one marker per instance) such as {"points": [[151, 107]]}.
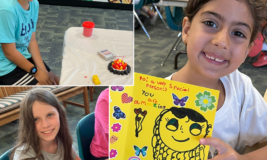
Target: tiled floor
{"points": [[8, 132]]}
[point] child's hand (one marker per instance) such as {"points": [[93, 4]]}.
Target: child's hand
{"points": [[43, 77], [225, 151]]}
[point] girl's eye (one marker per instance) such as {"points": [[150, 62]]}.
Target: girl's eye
{"points": [[195, 129], [210, 24], [172, 124], [50, 115], [35, 119], [239, 34]]}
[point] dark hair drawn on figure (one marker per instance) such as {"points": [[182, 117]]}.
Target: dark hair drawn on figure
{"points": [[257, 8], [175, 133], [27, 135]]}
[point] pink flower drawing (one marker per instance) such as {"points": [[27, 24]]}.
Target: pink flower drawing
{"points": [[113, 153], [116, 127]]}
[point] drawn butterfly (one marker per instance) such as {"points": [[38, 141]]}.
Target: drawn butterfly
{"points": [[177, 101], [115, 88], [118, 113], [138, 150]]}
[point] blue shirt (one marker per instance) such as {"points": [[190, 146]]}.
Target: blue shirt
{"points": [[16, 26]]}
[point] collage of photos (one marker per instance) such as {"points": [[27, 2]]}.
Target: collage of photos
{"points": [[133, 80]]}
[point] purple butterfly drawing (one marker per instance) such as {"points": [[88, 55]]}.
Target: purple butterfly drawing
{"points": [[115, 88], [177, 101]]}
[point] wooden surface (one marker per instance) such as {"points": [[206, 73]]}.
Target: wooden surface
{"points": [[7, 91], [9, 116], [62, 96]]}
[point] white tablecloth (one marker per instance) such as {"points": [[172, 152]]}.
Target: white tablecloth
{"points": [[81, 61]]}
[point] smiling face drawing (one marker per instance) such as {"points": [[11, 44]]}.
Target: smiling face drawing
{"points": [[181, 128]]}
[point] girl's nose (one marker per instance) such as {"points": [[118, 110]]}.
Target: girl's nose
{"points": [[221, 39], [45, 123], [181, 129]]}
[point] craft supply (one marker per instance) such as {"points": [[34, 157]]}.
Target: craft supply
{"points": [[88, 28], [119, 67], [96, 80], [106, 54]]}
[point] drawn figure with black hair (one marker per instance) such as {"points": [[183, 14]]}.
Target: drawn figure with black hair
{"points": [[176, 134]]}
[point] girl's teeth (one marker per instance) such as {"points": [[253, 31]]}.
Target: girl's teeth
{"points": [[218, 60], [212, 58], [48, 131]]}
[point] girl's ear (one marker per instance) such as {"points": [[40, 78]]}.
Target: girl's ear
{"points": [[248, 50], [186, 28]]}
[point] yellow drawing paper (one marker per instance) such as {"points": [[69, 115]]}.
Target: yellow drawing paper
{"points": [[159, 119]]}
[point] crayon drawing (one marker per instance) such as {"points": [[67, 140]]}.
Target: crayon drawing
{"points": [[175, 133], [159, 119]]}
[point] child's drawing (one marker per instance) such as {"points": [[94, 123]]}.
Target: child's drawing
{"points": [[116, 127], [119, 88], [205, 101], [113, 153], [179, 102], [125, 98], [162, 121], [139, 118], [118, 113], [176, 134], [113, 139], [138, 150], [134, 158]]}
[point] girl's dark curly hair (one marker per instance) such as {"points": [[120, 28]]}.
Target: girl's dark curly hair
{"points": [[258, 10]]}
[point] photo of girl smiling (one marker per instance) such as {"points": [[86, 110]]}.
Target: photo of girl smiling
{"points": [[219, 35], [43, 129]]}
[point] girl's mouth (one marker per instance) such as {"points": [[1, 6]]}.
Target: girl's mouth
{"points": [[181, 140], [48, 132], [213, 60]]}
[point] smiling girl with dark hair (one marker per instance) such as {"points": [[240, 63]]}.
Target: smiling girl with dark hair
{"points": [[219, 35]]}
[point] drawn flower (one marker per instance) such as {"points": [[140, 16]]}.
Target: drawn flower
{"points": [[113, 153], [205, 101], [116, 127]]}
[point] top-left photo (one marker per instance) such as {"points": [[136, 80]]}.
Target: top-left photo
{"points": [[70, 42]]}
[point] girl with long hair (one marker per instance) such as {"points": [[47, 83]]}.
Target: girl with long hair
{"points": [[43, 130]]}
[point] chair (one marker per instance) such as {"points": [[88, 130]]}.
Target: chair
{"points": [[6, 155], [140, 5], [174, 21], [85, 133]]}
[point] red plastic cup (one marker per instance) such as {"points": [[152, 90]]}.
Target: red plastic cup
{"points": [[88, 28]]}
